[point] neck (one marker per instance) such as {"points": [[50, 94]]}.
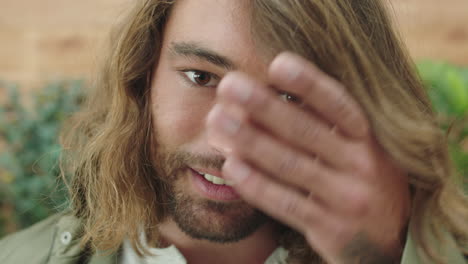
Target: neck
{"points": [[254, 249]]}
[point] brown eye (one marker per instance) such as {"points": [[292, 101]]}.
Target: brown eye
{"points": [[201, 78], [289, 98]]}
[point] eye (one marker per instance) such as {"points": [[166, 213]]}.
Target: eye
{"points": [[289, 97], [201, 78]]}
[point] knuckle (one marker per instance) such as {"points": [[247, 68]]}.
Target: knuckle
{"points": [[290, 206], [288, 165], [363, 165], [358, 202], [309, 131], [359, 160], [341, 106]]}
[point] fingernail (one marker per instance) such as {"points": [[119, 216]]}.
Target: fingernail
{"points": [[288, 66], [292, 70], [236, 171]]}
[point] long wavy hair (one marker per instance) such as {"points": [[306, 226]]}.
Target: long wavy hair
{"points": [[115, 189]]}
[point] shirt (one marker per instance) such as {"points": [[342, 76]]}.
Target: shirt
{"points": [[55, 240], [172, 255]]}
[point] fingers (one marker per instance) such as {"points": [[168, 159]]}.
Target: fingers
{"points": [[284, 163], [275, 157], [300, 128], [324, 230], [279, 201], [291, 73]]}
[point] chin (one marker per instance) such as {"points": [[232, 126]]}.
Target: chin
{"points": [[215, 221]]}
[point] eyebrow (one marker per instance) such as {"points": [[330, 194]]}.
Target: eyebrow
{"points": [[194, 49]]}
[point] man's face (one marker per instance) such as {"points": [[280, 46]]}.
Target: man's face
{"points": [[203, 40]]}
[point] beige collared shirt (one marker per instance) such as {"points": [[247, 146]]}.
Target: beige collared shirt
{"points": [[56, 240], [174, 256]]}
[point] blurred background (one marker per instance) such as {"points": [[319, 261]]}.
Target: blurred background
{"points": [[49, 50]]}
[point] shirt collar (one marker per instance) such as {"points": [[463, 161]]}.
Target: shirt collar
{"points": [[172, 255]]}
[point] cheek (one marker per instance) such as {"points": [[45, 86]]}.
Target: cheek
{"points": [[179, 111], [179, 118]]}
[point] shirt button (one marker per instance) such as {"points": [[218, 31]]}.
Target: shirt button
{"points": [[66, 238]]}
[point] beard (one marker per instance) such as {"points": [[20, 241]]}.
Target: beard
{"points": [[198, 217]]}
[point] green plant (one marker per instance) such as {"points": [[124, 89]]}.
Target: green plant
{"points": [[448, 89], [31, 188]]}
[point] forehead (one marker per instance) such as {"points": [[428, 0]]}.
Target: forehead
{"points": [[221, 25]]}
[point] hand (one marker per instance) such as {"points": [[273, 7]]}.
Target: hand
{"points": [[313, 165]]}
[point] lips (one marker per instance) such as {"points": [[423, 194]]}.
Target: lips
{"points": [[210, 189], [204, 171], [212, 177]]}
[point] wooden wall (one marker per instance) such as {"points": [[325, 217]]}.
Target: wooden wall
{"points": [[434, 29], [48, 40], [52, 39]]}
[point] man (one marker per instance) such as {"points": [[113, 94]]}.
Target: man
{"points": [[206, 143]]}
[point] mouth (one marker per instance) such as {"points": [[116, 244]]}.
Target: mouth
{"points": [[213, 177], [211, 186]]}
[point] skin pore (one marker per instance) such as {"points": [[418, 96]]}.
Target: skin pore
{"points": [[203, 40]]}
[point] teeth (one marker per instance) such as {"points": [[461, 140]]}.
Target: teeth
{"points": [[216, 180], [209, 177]]}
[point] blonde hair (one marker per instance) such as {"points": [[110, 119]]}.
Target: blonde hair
{"points": [[114, 187]]}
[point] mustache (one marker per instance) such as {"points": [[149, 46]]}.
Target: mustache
{"points": [[171, 162]]}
